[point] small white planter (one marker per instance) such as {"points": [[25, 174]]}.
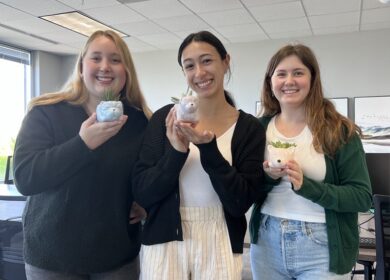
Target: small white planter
{"points": [[108, 111], [278, 157]]}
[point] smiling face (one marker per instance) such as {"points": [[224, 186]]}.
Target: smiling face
{"points": [[102, 68], [291, 82], [204, 69]]}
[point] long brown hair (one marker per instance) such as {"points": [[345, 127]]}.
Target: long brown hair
{"points": [[329, 128], [75, 91]]}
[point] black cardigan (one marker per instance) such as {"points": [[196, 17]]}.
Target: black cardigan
{"points": [[156, 178]]}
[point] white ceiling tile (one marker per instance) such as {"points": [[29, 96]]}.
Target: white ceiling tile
{"points": [[121, 13], [155, 9], [291, 34], [136, 45], [145, 27], [285, 25], [240, 30], [22, 40], [375, 25], [181, 23], [376, 15], [230, 17], [164, 38], [334, 20], [278, 11], [185, 33], [88, 4], [336, 30], [245, 39], [39, 7], [65, 36], [35, 25], [372, 4], [251, 3], [9, 13], [203, 6], [321, 7], [60, 49]]}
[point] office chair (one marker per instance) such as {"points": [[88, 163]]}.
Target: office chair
{"points": [[9, 178], [11, 251], [382, 235]]}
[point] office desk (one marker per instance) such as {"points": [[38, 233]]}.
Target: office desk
{"points": [[9, 192], [11, 234], [11, 202]]}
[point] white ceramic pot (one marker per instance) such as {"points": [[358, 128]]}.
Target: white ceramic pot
{"points": [[108, 111]]}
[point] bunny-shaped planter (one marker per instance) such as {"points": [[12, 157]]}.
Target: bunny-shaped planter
{"points": [[280, 153], [187, 109], [108, 111]]}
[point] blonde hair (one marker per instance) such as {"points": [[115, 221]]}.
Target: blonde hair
{"points": [[329, 128], [75, 91]]}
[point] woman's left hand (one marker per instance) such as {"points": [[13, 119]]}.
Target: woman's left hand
{"points": [[189, 131], [295, 174], [137, 213]]}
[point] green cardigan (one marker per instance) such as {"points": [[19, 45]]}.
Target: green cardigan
{"points": [[345, 191]]}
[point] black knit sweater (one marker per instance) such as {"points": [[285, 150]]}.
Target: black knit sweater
{"points": [[77, 213], [156, 178]]}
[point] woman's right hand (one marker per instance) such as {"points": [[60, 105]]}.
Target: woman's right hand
{"points": [[274, 173], [95, 133], [177, 140]]}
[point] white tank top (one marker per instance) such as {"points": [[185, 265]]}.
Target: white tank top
{"points": [[282, 201], [195, 185]]}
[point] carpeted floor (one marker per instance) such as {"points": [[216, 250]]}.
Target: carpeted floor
{"points": [[246, 271]]}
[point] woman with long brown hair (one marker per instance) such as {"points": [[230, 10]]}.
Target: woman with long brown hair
{"points": [[307, 226]]}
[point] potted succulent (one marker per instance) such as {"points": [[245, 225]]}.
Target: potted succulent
{"points": [[280, 153], [187, 107], [110, 107]]}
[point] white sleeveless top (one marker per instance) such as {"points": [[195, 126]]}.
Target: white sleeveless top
{"points": [[195, 185], [282, 201]]}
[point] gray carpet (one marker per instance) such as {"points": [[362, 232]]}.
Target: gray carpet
{"points": [[246, 271]]}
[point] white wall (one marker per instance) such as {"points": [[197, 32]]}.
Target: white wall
{"points": [[50, 71], [353, 64]]}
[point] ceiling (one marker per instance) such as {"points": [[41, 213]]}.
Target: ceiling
{"points": [[163, 24]]}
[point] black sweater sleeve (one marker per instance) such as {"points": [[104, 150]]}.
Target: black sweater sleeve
{"points": [[40, 161], [156, 173], [239, 185]]}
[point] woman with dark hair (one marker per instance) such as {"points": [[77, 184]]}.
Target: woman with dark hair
{"points": [[197, 180], [307, 226], [80, 221]]}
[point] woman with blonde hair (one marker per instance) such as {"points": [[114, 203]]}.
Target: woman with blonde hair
{"points": [[76, 171], [307, 226]]}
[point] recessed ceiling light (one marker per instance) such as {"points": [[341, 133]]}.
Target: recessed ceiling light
{"points": [[79, 23]]}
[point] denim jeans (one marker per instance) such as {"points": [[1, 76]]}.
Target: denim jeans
{"points": [[289, 249]]}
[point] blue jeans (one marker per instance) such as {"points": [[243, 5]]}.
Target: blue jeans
{"points": [[289, 249]]}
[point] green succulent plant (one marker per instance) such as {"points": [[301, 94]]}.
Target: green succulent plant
{"points": [[176, 100], [283, 145], [110, 95]]}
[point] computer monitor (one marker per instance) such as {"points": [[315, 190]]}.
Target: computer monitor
{"points": [[378, 165]]}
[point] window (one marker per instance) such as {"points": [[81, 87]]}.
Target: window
{"points": [[15, 92]]}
